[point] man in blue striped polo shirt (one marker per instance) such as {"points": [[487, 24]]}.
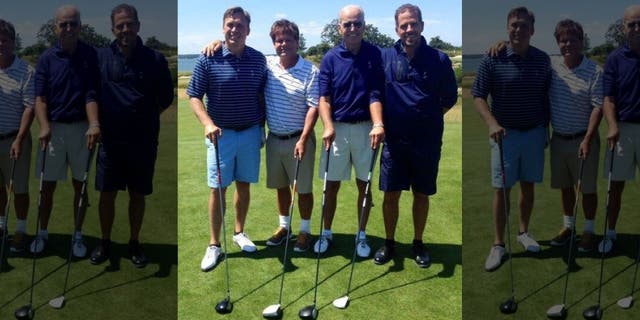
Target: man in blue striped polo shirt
{"points": [[622, 111], [233, 79], [518, 82], [16, 116], [67, 77], [351, 84]]}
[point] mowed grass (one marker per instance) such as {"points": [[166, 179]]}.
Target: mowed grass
{"points": [[115, 289], [398, 290], [539, 277]]}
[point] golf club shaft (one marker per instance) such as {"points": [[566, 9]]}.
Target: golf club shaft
{"points": [[578, 190], [33, 264], [606, 218], [294, 189], [506, 213], [635, 272], [324, 195], [222, 214], [374, 155], [5, 218]]}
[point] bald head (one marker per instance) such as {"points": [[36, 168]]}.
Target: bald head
{"points": [[67, 11], [631, 26], [352, 10], [630, 11]]}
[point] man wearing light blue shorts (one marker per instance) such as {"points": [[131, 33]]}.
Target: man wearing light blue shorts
{"points": [[233, 79]]}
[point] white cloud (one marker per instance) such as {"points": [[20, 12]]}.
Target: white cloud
{"points": [[278, 16]]}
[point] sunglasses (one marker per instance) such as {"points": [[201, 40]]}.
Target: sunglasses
{"points": [[633, 24], [349, 24], [72, 24]]}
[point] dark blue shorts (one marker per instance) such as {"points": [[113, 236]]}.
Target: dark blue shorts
{"points": [[412, 162], [126, 166]]}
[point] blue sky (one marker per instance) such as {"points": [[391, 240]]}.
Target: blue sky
{"points": [[157, 17], [200, 21], [485, 22]]}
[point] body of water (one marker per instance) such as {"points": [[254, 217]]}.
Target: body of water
{"points": [[470, 63], [186, 64]]}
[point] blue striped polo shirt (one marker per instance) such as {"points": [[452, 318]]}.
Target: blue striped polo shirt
{"points": [[232, 86], [289, 93], [518, 87], [16, 94], [68, 82], [573, 94], [351, 81], [622, 82]]}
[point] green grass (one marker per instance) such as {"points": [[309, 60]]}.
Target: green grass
{"points": [[539, 278], [115, 290], [398, 290]]}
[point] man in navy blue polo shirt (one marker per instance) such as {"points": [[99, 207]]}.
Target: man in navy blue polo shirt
{"points": [[518, 81], [136, 87], [66, 80], [233, 80], [622, 111], [351, 82], [420, 88]]}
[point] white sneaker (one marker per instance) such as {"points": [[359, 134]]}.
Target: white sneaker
{"points": [[606, 244], [243, 241], [211, 257], [38, 244], [495, 258], [323, 243], [362, 248], [528, 242], [79, 249]]}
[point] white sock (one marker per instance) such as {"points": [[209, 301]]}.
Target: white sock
{"points": [[362, 235], [21, 226], [43, 233], [327, 233], [2, 219], [77, 235], [284, 221], [568, 221], [611, 234], [588, 226], [305, 225]]}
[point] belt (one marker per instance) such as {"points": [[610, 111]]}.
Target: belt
{"points": [[569, 136], [286, 136], [8, 135], [240, 128]]}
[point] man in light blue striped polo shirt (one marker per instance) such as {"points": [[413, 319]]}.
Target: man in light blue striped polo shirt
{"points": [[233, 79], [518, 82], [17, 96]]}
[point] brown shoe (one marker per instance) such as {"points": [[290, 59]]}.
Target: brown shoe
{"points": [[303, 243], [278, 237], [587, 242], [18, 243], [562, 237]]}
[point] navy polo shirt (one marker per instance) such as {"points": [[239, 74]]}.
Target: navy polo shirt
{"points": [[133, 93], [232, 86], [68, 82], [418, 88], [518, 87], [351, 81], [621, 81]]}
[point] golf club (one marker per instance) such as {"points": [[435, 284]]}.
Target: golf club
{"points": [[627, 302], [26, 312], [595, 312], [559, 311], [343, 301], [58, 302], [310, 311], [5, 233], [225, 306], [274, 311], [510, 305]]}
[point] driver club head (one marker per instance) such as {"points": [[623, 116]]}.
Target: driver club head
{"points": [[57, 302], [24, 313], [508, 307], [557, 312], [341, 302], [308, 312], [272, 312], [592, 313], [626, 302], [225, 306]]}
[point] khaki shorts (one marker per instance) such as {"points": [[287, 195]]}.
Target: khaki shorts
{"points": [[626, 153], [281, 165], [67, 148], [565, 164], [352, 145], [21, 174]]}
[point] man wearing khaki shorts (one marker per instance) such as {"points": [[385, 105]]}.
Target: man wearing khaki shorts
{"points": [[67, 76]]}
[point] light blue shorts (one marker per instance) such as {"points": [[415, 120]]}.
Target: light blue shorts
{"points": [[523, 157], [239, 157]]}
